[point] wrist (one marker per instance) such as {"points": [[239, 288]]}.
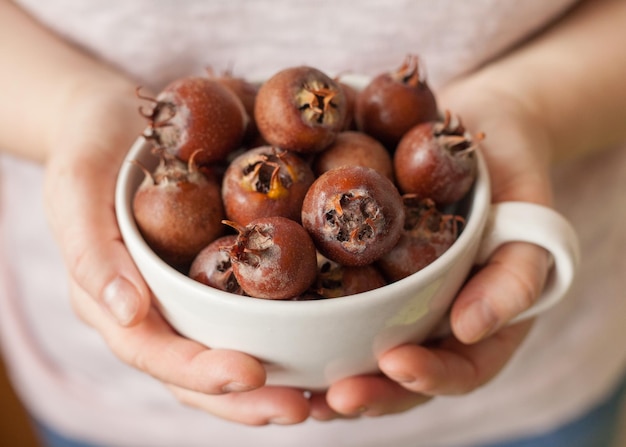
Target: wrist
{"points": [[517, 145], [93, 110], [489, 107]]}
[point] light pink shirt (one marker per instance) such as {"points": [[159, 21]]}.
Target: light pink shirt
{"points": [[68, 377]]}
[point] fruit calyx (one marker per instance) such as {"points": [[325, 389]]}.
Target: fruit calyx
{"points": [[251, 242], [329, 279], [229, 280], [271, 175], [159, 116], [451, 134], [409, 72], [315, 101], [423, 217], [172, 170], [354, 219]]}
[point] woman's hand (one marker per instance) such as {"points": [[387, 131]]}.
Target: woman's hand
{"points": [[79, 116], [517, 153], [554, 96], [108, 292]]}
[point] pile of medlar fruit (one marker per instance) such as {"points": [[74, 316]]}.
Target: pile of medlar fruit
{"points": [[302, 187]]}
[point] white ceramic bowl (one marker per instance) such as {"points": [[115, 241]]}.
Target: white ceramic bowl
{"points": [[310, 344]]}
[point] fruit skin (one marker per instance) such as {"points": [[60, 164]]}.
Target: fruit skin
{"points": [[427, 234], [264, 182], [273, 258], [350, 94], [394, 102], [194, 113], [300, 109], [178, 211], [354, 215], [354, 148], [335, 280], [436, 160], [246, 91], [213, 268]]}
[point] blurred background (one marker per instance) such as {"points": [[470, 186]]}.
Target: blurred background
{"points": [[14, 424], [15, 427]]}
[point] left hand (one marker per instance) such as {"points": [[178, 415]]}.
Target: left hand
{"points": [[517, 153]]}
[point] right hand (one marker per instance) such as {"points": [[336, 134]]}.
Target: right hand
{"points": [[107, 290]]}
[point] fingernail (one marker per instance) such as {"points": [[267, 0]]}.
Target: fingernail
{"points": [[121, 300], [477, 321], [236, 387]]}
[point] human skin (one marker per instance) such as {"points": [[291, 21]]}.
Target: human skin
{"points": [[556, 96]]}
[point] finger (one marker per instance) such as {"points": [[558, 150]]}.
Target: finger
{"points": [[152, 346], [452, 367], [508, 284], [85, 226], [371, 396], [321, 411], [267, 405]]}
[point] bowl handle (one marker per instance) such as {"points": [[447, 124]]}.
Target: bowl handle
{"points": [[542, 226], [539, 225]]}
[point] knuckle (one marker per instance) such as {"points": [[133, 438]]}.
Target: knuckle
{"points": [[78, 261], [524, 290]]}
